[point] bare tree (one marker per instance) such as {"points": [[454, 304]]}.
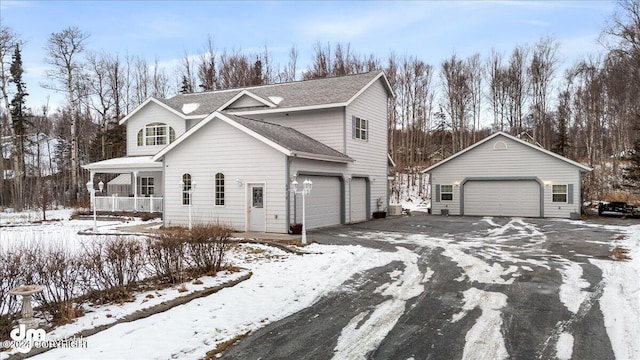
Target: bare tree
{"points": [[455, 79], [207, 67], [475, 73], [290, 70], [63, 51], [541, 70]]}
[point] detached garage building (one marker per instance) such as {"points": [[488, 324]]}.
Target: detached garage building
{"points": [[506, 176]]}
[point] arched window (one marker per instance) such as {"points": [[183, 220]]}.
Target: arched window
{"points": [[156, 134], [186, 189], [219, 189]]}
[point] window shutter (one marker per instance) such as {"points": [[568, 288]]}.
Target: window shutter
{"points": [[366, 134], [353, 126], [570, 194], [437, 192]]}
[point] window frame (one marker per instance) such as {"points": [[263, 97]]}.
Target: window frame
{"points": [[564, 193], [360, 128], [218, 189], [144, 188], [187, 181], [156, 134], [443, 192]]}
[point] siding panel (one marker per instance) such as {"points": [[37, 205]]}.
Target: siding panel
{"points": [[218, 147], [152, 113], [516, 160]]}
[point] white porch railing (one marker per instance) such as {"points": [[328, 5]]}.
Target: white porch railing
{"points": [[120, 203]]}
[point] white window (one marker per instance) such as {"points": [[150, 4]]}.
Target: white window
{"points": [[360, 128], [186, 189], [156, 134], [147, 187], [559, 193], [219, 189], [446, 192]]}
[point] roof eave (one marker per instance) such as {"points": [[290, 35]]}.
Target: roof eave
{"points": [[145, 103], [289, 109], [312, 156]]}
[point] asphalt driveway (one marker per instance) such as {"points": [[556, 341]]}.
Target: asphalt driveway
{"points": [[476, 288]]}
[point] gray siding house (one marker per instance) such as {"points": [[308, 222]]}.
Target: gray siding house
{"points": [[231, 155], [505, 176]]}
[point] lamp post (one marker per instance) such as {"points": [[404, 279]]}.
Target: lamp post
{"points": [[306, 190], [192, 187], [92, 191]]}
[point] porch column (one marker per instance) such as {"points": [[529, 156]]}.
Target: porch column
{"points": [[135, 191]]}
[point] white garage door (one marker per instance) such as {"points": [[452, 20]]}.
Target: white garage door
{"points": [[358, 200], [323, 204], [502, 198]]}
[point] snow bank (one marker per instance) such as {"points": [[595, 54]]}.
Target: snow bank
{"points": [[571, 293], [620, 300]]}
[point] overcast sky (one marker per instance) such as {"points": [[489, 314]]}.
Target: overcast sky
{"points": [[428, 29]]}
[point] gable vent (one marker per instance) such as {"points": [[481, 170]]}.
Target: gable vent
{"points": [[500, 145]]}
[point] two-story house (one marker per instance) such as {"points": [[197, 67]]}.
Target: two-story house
{"points": [[231, 155]]}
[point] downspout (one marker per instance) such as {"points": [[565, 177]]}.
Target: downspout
{"points": [[344, 129], [287, 169]]}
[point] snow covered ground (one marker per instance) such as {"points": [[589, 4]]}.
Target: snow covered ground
{"points": [[283, 284]]}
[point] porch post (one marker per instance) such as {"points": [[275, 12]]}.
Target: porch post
{"points": [[150, 203], [135, 191], [113, 202]]}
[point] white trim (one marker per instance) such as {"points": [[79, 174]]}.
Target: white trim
{"points": [[249, 201], [500, 133], [249, 94], [364, 88], [124, 164], [290, 109], [310, 156], [156, 101], [249, 132]]}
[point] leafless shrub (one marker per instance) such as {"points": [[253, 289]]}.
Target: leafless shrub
{"points": [[61, 272], [113, 266], [166, 256], [619, 253], [207, 246], [11, 275]]}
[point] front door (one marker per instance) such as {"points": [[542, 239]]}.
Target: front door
{"points": [[256, 208]]}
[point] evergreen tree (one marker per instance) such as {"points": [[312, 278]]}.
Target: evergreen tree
{"points": [[186, 86], [632, 171], [20, 122], [561, 144]]}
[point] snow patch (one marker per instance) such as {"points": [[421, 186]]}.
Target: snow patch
{"points": [[276, 99], [484, 340], [190, 107], [571, 293], [358, 339], [564, 346]]}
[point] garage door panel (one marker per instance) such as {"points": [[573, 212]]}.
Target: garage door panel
{"points": [[358, 200], [502, 198], [323, 204]]}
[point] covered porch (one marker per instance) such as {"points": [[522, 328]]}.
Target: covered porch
{"points": [[137, 188]]}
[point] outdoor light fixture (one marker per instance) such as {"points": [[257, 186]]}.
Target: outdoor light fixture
{"points": [[306, 190], [190, 192], [92, 192], [239, 182]]}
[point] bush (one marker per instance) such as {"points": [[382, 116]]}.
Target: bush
{"points": [[207, 246], [11, 274], [113, 266], [62, 273], [166, 256]]}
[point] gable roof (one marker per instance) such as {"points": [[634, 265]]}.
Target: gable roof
{"points": [[284, 139], [296, 95], [520, 141]]}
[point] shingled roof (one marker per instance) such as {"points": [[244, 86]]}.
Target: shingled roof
{"points": [[282, 138], [325, 91]]}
